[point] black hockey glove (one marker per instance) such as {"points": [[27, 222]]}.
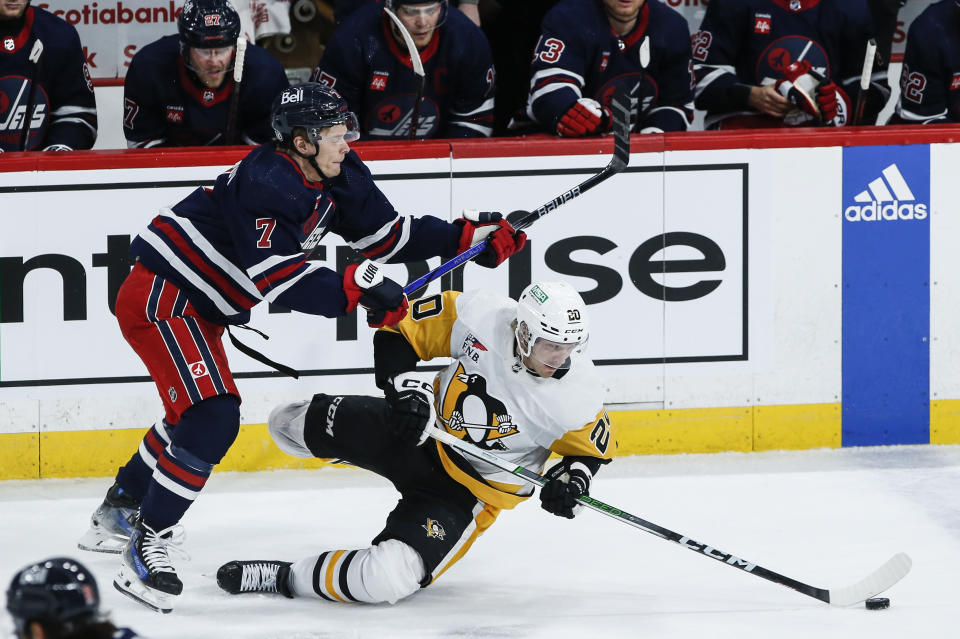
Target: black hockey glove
{"points": [[566, 481], [410, 403], [383, 298]]}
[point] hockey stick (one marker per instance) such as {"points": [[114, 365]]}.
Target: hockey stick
{"points": [[622, 105], [865, 74], [230, 135], [417, 68], [879, 580], [34, 59]]}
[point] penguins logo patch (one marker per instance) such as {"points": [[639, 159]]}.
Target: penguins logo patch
{"points": [[434, 529], [472, 414]]}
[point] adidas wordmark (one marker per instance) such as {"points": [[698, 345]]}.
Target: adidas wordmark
{"points": [[882, 203]]}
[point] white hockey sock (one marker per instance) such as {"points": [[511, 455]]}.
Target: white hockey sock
{"points": [[389, 571]]}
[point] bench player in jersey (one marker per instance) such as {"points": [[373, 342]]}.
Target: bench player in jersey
{"points": [[42, 69], [204, 263], [367, 61], [774, 63], [179, 88], [550, 399], [588, 48], [58, 598], [930, 79]]}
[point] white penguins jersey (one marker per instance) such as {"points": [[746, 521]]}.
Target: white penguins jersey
{"points": [[487, 397]]}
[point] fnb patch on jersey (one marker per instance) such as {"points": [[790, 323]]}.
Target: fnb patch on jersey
{"points": [[379, 81], [175, 114], [761, 23]]}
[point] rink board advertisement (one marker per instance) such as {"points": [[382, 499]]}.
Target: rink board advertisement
{"points": [[726, 315]]}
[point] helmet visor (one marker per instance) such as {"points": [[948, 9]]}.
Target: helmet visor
{"points": [[338, 132], [422, 18]]}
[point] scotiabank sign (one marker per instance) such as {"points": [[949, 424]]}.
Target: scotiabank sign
{"points": [[111, 32]]}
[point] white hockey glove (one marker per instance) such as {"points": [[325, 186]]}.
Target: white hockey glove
{"points": [[566, 482], [411, 413]]}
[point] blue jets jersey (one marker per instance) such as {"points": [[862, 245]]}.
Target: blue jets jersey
{"points": [[930, 79], [43, 47], [578, 55], [743, 43], [373, 73], [249, 237], [164, 103]]}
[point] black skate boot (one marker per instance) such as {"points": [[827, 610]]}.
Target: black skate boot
{"points": [[236, 577], [146, 574], [111, 523]]}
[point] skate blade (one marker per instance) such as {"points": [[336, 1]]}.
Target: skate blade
{"points": [[98, 541], [131, 586]]}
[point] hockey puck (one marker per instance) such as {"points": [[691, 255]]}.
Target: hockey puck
{"points": [[878, 604]]}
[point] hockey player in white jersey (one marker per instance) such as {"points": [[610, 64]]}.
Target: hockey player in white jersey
{"points": [[519, 383]]}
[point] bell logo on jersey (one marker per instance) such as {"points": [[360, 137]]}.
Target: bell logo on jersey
{"points": [[761, 23], [888, 197], [434, 529]]}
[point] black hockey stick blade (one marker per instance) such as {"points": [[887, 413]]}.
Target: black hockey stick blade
{"points": [[622, 106]]}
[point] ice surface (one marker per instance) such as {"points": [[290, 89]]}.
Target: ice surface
{"points": [[824, 517]]}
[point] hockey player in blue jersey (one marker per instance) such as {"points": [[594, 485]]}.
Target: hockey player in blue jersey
{"points": [[205, 262], [43, 71], [58, 598], [587, 48], [367, 61], [930, 79], [178, 89], [773, 63]]}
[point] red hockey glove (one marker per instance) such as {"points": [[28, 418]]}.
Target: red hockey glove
{"points": [[799, 86], [383, 298], [833, 104], [566, 482], [504, 241], [584, 117]]}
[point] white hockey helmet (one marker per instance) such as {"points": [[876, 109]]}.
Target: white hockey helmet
{"points": [[552, 324]]}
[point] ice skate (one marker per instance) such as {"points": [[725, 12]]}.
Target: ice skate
{"points": [[236, 577], [146, 573], [111, 523]]}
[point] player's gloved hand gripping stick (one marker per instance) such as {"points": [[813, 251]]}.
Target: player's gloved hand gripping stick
{"points": [[621, 105], [881, 579]]}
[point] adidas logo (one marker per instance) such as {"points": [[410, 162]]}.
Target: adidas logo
{"points": [[882, 204]]}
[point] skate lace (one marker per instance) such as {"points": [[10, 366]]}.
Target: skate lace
{"points": [[157, 546], [257, 576]]}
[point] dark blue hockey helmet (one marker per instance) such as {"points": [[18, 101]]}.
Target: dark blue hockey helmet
{"points": [[208, 24], [58, 590], [311, 106]]}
